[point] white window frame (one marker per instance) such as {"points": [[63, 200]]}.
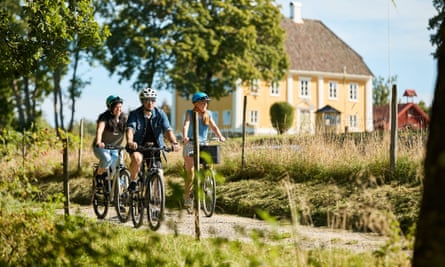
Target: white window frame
{"points": [[305, 87], [275, 88], [254, 87], [332, 90], [254, 117], [353, 122], [353, 92]]}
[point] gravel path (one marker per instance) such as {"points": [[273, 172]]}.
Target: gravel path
{"points": [[240, 228]]}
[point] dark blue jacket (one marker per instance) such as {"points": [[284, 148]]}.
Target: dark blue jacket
{"points": [[158, 122]]}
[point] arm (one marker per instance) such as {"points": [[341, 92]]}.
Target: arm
{"points": [[216, 130], [129, 136], [172, 138], [99, 131], [185, 129]]}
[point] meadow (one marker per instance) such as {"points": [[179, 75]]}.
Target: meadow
{"points": [[335, 181]]}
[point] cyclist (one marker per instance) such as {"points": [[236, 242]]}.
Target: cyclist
{"points": [[147, 124], [110, 130], [200, 102]]}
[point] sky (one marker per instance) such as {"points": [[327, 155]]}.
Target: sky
{"points": [[392, 39]]}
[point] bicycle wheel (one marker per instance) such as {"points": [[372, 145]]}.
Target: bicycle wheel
{"points": [[209, 193], [100, 201], [137, 205], [155, 201], [121, 196]]}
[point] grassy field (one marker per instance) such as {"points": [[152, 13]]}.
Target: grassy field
{"points": [[335, 181]]}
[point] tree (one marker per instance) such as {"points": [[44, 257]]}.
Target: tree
{"points": [[281, 116], [424, 107], [191, 45], [38, 40], [429, 244], [382, 90]]}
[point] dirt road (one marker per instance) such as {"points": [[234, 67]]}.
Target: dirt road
{"points": [[240, 228]]}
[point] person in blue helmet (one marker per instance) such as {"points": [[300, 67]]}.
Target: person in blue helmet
{"points": [[110, 130], [200, 102], [147, 124]]}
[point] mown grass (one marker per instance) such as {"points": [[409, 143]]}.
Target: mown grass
{"points": [[35, 235], [336, 181]]}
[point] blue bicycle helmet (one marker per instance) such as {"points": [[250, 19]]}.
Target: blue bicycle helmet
{"points": [[113, 100], [200, 96]]}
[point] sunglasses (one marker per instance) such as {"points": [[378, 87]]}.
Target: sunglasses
{"points": [[148, 100], [203, 99]]}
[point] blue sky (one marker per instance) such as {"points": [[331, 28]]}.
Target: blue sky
{"points": [[392, 40]]}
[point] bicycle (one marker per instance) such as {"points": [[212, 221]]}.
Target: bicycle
{"points": [[113, 190], [208, 180], [150, 191]]}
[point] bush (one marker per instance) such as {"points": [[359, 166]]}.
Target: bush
{"points": [[281, 116]]}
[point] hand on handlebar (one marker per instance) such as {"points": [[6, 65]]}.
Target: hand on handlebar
{"points": [[175, 147], [100, 145], [133, 145]]}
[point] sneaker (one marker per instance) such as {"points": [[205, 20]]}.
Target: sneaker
{"points": [[99, 179], [132, 186], [188, 203]]}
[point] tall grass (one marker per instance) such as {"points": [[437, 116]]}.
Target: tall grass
{"points": [[335, 181]]}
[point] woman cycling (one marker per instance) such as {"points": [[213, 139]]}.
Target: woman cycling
{"points": [[200, 102], [110, 131]]}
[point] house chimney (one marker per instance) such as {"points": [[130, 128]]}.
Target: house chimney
{"points": [[295, 12]]}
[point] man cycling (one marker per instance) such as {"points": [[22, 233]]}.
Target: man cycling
{"points": [[146, 124]]}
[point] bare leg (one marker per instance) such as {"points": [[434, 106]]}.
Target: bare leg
{"points": [[188, 181], [135, 165]]}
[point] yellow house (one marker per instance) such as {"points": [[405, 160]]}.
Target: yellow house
{"points": [[327, 83]]}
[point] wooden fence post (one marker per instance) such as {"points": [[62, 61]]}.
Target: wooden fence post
{"points": [[244, 134], [66, 177], [393, 143], [196, 182], [79, 160]]}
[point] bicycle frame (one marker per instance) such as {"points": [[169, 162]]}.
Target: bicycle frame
{"points": [[143, 198], [113, 177]]}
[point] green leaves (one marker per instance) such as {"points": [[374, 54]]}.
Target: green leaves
{"points": [[195, 45]]}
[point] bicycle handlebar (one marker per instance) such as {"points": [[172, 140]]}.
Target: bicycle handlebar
{"points": [[111, 147], [154, 149]]}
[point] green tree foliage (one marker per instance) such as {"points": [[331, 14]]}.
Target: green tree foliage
{"points": [[381, 92], [281, 116], [190, 45], [38, 41], [424, 107]]}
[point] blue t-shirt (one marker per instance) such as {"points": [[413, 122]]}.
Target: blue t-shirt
{"points": [[203, 129]]}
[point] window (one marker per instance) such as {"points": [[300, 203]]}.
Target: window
{"points": [[353, 122], [304, 87], [254, 117], [275, 88], [333, 90], [254, 87], [215, 116], [227, 117], [353, 91]]}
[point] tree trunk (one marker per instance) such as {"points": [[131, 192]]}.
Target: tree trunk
{"points": [[18, 103], [429, 247]]}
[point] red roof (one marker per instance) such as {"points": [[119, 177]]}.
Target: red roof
{"points": [[410, 92]]}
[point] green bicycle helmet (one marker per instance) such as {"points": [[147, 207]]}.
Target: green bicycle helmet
{"points": [[113, 100]]}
